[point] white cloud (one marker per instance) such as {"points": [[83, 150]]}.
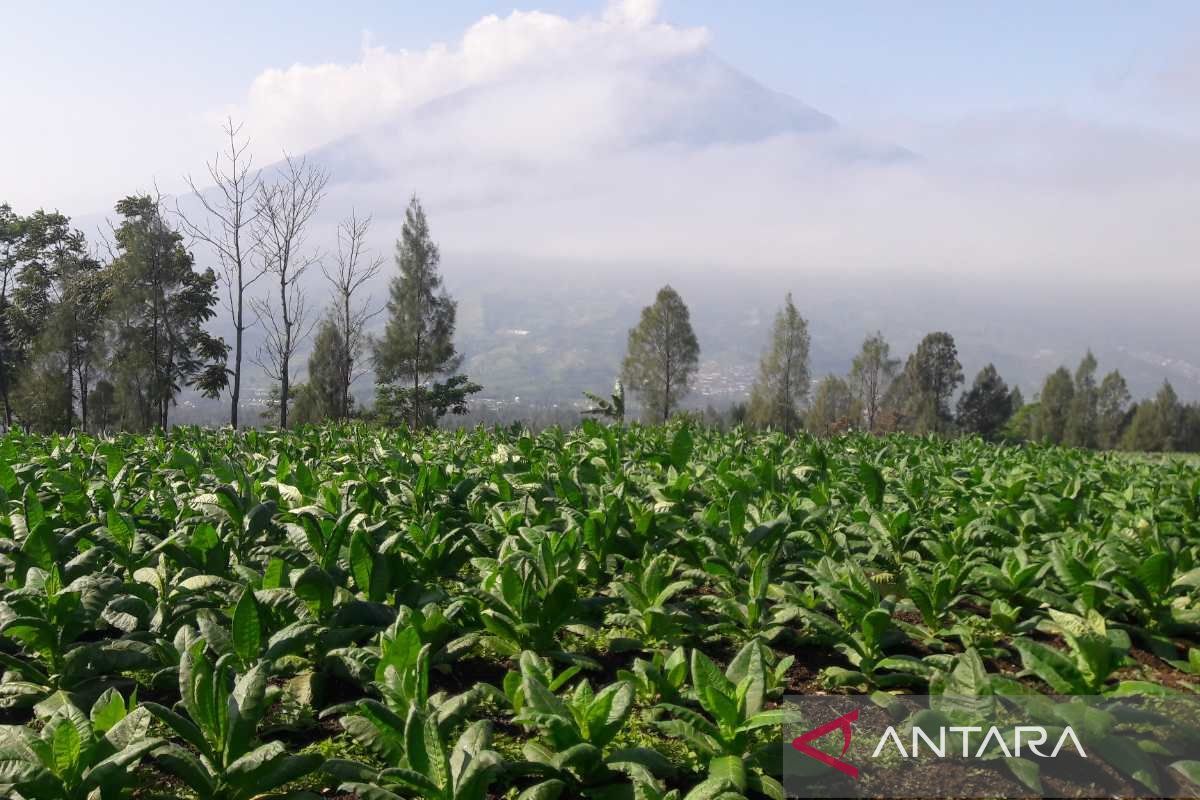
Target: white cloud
{"points": [[617, 137], [303, 106]]}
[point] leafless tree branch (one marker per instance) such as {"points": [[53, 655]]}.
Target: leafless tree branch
{"points": [[284, 209], [353, 268]]}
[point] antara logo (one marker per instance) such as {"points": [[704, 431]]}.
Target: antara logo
{"points": [[842, 723], [1030, 737]]}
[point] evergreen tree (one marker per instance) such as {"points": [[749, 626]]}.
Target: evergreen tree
{"points": [[1082, 416], [326, 371], [159, 306], [871, 376], [1022, 426], [1143, 434], [833, 407], [782, 385], [1017, 399], [1168, 417], [663, 354], [932, 374], [418, 341], [1054, 407], [986, 406], [1112, 410]]}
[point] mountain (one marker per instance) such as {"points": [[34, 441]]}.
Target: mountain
{"points": [[562, 198], [692, 100]]}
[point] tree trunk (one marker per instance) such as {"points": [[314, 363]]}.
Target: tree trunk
{"points": [[416, 405], [236, 394], [347, 366], [83, 408], [285, 356], [416, 402], [4, 392]]}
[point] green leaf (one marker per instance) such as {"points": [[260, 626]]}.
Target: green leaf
{"points": [[1189, 770], [269, 767], [107, 711], [247, 628], [681, 448], [706, 676], [362, 560], [872, 480], [65, 744], [121, 528]]}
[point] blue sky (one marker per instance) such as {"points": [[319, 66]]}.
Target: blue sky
{"points": [[105, 92]]}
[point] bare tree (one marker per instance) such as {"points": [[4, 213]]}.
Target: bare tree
{"points": [[284, 209], [355, 267], [228, 228], [872, 373]]}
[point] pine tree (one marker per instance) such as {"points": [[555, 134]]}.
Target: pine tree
{"points": [[1054, 407], [662, 355], [932, 374], [783, 381], [325, 374], [1112, 409], [986, 407], [418, 341], [1082, 416]]}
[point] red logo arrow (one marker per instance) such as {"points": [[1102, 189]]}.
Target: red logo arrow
{"points": [[801, 743]]}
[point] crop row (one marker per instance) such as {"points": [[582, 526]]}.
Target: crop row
{"points": [[606, 612]]}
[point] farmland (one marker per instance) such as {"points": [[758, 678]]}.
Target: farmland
{"points": [[602, 612]]}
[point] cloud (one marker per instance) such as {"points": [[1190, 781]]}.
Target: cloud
{"points": [[621, 138], [303, 106]]}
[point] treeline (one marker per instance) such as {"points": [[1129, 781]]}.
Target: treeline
{"points": [[107, 337], [883, 394]]}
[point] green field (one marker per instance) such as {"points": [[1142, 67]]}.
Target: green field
{"points": [[602, 612]]}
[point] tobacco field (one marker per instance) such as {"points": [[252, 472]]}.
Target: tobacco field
{"points": [[607, 612]]}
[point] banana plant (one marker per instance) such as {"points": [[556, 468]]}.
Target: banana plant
{"points": [[77, 756], [221, 714], [723, 730]]}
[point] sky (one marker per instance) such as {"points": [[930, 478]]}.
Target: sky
{"points": [[106, 97], [1050, 136]]}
